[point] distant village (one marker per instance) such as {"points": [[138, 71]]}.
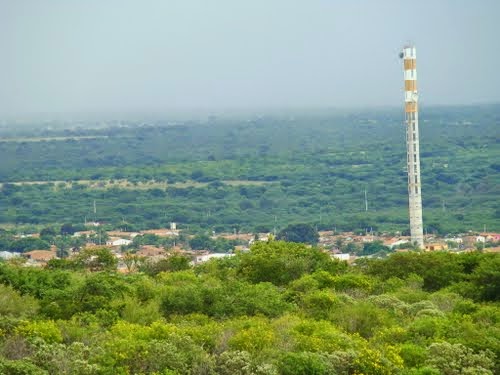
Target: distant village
{"points": [[345, 246]]}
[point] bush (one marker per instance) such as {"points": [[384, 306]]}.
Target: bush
{"points": [[304, 363]]}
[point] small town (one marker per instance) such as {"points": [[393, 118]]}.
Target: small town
{"points": [[154, 245]]}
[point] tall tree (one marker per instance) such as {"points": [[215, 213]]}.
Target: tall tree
{"points": [[304, 233]]}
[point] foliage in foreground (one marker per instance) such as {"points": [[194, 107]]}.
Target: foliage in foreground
{"points": [[283, 308]]}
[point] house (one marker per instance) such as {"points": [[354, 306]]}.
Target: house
{"points": [[40, 256], [151, 252], [492, 237], [436, 247], [118, 242], [207, 257]]}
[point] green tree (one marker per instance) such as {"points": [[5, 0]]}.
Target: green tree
{"points": [[304, 233], [362, 318], [304, 363], [47, 234], [374, 247], [280, 262], [34, 281], [96, 259], [173, 263], [20, 367], [239, 298], [486, 278], [351, 248], [235, 363], [438, 269], [98, 292], [65, 359], [479, 246], [456, 359], [26, 244], [147, 239], [47, 330], [62, 245], [183, 294], [15, 305], [67, 229], [202, 242]]}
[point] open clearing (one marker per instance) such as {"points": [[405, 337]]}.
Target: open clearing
{"points": [[126, 184]]}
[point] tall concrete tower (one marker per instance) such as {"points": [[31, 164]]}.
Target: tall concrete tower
{"points": [[409, 56]]}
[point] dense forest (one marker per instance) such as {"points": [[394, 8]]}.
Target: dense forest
{"points": [[264, 172], [282, 308]]}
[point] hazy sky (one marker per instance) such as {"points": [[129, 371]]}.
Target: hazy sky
{"points": [[63, 56]]}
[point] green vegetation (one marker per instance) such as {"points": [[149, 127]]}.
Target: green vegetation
{"points": [[262, 172], [282, 308], [303, 233]]}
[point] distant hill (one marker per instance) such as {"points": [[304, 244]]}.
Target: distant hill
{"points": [[298, 167]]}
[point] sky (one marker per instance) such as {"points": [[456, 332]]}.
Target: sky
{"points": [[140, 56]]}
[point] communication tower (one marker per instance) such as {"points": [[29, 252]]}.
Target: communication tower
{"points": [[409, 56]]}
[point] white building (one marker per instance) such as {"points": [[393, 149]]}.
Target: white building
{"points": [[207, 257], [481, 239], [8, 255], [118, 242]]}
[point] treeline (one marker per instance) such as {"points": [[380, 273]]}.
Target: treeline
{"points": [[282, 308], [224, 208]]}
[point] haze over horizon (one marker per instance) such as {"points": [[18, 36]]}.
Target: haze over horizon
{"points": [[121, 56]]}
